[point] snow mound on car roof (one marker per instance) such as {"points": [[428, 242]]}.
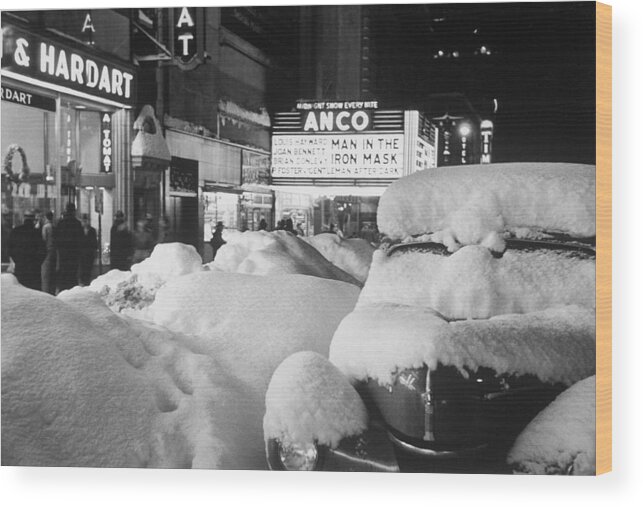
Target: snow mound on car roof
{"points": [[467, 204], [353, 255], [83, 386], [471, 283], [275, 253], [310, 400], [556, 345], [562, 438]]}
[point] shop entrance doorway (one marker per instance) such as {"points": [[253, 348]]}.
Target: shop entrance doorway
{"points": [[184, 216]]}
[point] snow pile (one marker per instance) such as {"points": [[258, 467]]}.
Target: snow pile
{"points": [[471, 283], [475, 203], [562, 438], [352, 255], [275, 253], [556, 345], [90, 388], [252, 323], [237, 112], [136, 289], [168, 261], [309, 400]]}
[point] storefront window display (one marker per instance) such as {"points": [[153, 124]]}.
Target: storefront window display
{"points": [[28, 141], [255, 207], [37, 148], [219, 207], [297, 207]]}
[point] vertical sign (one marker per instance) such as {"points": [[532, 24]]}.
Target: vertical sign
{"points": [[187, 36], [106, 151], [464, 131], [486, 135]]}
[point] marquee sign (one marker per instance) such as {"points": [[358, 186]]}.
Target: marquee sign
{"points": [[349, 143], [371, 156], [43, 59], [338, 140]]}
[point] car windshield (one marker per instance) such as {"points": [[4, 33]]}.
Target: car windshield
{"points": [[582, 248]]}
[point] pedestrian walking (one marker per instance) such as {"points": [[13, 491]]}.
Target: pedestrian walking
{"points": [[217, 240], [68, 238], [263, 225], [88, 249], [121, 247], [27, 250], [48, 267]]}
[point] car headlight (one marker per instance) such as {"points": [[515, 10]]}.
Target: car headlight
{"points": [[296, 456]]}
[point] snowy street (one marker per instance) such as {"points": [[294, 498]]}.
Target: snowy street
{"points": [[169, 365], [178, 383]]}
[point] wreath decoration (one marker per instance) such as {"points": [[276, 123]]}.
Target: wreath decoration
{"points": [[7, 165]]}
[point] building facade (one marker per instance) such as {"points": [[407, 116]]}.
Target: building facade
{"points": [[331, 160], [68, 93], [208, 82]]}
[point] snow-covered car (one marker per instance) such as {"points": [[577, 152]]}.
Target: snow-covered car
{"points": [[474, 317]]}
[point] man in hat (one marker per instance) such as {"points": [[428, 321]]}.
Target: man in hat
{"points": [[68, 237], [27, 250], [89, 245], [217, 241], [121, 246]]}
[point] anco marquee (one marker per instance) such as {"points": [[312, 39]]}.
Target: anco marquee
{"points": [[371, 155]]}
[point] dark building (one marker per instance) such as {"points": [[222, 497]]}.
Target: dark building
{"points": [[212, 75]]}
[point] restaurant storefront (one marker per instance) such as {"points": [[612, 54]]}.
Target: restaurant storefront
{"points": [[66, 121]]}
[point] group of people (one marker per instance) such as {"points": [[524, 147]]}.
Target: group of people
{"points": [[53, 256], [288, 226]]}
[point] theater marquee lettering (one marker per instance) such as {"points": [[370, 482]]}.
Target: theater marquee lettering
{"points": [[54, 62], [338, 156]]}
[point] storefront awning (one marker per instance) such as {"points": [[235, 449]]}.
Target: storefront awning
{"points": [[97, 180], [149, 148]]}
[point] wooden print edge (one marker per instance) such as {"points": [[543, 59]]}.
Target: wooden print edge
{"points": [[604, 238]]}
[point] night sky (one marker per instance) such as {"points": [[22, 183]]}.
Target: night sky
{"points": [[541, 70]]}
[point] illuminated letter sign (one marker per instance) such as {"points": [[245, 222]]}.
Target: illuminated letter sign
{"points": [[337, 121], [187, 39], [88, 29], [106, 149], [57, 63], [486, 133]]}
